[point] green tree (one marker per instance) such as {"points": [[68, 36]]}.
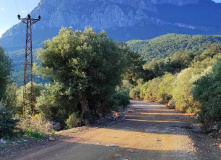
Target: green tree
{"points": [[7, 123], [87, 66], [5, 72], [135, 69]]}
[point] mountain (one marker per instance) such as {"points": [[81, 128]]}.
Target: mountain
{"points": [[123, 20], [166, 45]]}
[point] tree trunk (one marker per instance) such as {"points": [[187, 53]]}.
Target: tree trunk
{"points": [[84, 107]]}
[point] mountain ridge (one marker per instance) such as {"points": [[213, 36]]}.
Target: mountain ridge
{"points": [[123, 20]]}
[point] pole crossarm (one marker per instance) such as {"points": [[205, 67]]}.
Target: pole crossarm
{"points": [[28, 92]]}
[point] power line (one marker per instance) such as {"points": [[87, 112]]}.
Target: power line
{"points": [[16, 6], [28, 6]]}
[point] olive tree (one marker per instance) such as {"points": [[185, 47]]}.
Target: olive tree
{"points": [[86, 65]]}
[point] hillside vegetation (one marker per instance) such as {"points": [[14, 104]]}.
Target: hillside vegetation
{"points": [[90, 76], [188, 80], [166, 45]]}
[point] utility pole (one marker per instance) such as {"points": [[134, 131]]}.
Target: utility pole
{"points": [[28, 65]]}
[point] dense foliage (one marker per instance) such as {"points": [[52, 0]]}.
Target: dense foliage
{"points": [[166, 45], [207, 91], [7, 123], [5, 71], [85, 71], [189, 80], [84, 68]]}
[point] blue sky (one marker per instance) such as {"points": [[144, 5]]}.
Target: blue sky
{"points": [[10, 8]]}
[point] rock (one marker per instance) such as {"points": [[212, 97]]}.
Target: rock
{"points": [[215, 144], [220, 131], [117, 155], [130, 112], [51, 139], [111, 117], [215, 127], [130, 150], [3, 141], [112, 145], [171, 104], [211, 134], [197, 129], [56, 126], [100, 115]]}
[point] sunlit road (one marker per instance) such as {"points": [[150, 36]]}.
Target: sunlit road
{"points": [[149, 132]]}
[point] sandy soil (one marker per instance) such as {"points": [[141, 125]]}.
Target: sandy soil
{"points": [[149, 131]]}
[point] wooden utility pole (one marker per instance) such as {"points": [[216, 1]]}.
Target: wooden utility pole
{"points": [[28, 65]]}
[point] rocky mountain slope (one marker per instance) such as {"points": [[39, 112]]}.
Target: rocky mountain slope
{"points": [[122, 19]]}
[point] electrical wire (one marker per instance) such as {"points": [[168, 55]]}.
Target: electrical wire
{"points": [[16, 6], [28, 6]]}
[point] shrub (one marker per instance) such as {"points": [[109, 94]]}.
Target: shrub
{"points": [[150, 90], [166, 87], [135, 93], [143, 91], [119, 99], [125, 87], [53, 105], [72, 121], [19, 98], [207, 91], [29, 132], [182, 92], [35, 123], [7, 123]]}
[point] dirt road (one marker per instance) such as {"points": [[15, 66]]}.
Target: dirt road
{"points": [[149, 132]]}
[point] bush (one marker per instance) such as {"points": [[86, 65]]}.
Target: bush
{"points": [[124, 87], [7, 123], [53, 105], [36, 124], [29, 132], [5, 71], [207, 91], [73, 121], [119, 99], [182, 92], [166, 87], [143, 91], [135, 93], [150, 90], [37, 89]]}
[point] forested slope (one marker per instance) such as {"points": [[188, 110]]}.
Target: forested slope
{"points": [[166, 45]]}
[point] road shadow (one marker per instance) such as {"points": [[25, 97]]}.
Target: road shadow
{"points": [[82, 151], [149, 132]]}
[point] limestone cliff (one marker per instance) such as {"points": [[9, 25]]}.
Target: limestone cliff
{"points": [[122, 19]]}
